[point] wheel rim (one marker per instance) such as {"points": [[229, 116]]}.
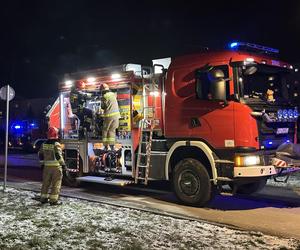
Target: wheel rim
{"points": [[189, 183]]}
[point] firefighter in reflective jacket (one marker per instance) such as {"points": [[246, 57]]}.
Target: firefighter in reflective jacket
{"points": [[52, 161], [111, 116]]}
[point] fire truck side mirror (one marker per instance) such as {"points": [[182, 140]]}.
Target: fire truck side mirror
{"points": [[208, 88], [218, 90]]}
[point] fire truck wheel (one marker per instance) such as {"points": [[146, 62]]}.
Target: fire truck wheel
{"points": [[69, 178], [191, 183], [252, 187]]}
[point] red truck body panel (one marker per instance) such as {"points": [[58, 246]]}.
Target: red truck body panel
{"points": [[220, 124]]}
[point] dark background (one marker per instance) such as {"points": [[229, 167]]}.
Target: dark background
{"points": [[41, 40]]}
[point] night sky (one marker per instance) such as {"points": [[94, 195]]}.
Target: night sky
{"points": [[42, 40]]}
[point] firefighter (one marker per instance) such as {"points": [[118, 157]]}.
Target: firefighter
{"points": [[53, 164], [111, 116], [78, 110]]}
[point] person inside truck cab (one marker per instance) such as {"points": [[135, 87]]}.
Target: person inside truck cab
{"points": [[111, 116]]}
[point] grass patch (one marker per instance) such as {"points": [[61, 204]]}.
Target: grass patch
{"points": [[116, 230], [134, 245], [80, 229], [174, 237], [10, 236], [97, 217], [95, 244], [36, 242], [128, 234], [252, 243], [55, 236], [194, 245], [260, 241], [175, 225], [15, 247], [24, 215], [44, 223]]}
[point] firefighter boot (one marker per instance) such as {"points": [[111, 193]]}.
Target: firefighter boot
{"points": [[44, 200], [55, 203]]}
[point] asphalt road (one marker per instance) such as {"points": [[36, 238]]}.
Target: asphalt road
{"points": [[275, 210]]}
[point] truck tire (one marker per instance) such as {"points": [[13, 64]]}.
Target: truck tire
{"points": [[191, 183], [252, 187], [69, 178]]}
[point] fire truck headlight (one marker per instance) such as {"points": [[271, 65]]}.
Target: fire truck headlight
{"points": [[291, 113], [246, 160], [285, 113]]}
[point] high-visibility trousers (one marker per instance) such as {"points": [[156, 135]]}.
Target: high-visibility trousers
{"points": [[110, 124], [52, 178]]}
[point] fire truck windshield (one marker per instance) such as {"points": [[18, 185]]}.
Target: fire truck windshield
{"points": [[264, 83]]}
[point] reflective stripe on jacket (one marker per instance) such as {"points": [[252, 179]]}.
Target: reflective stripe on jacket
{"points": [[52, 154], [110, 105]]}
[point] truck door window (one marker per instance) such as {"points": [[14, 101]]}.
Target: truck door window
{"points": [[209, 82]]}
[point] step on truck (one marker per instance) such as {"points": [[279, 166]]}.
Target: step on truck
{"points": [[214, 121]]}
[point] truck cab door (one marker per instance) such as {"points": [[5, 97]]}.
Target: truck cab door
{"points": [[201, 109]]}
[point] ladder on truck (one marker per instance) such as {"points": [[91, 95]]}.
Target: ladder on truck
{"points": [[147, 125]]}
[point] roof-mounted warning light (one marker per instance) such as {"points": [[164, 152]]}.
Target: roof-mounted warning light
{"points": [[252, 46]]}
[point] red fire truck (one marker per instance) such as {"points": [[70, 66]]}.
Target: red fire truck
{"points": [[202, 121]]}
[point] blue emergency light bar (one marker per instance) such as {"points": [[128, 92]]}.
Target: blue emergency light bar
{"points": [[237, 45]]}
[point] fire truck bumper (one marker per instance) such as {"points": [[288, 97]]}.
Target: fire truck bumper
{"points": [[279, 167], [254, 171]]}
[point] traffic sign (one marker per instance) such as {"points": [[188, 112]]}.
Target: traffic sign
{"points": [[3, 93]]}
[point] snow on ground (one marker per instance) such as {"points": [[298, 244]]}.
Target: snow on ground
{"points": [[78, 224]]}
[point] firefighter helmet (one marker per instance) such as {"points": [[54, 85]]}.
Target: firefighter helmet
{"points": [[52, 133]]}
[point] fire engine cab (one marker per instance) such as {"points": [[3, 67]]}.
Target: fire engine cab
{"points": [[201, 121]]}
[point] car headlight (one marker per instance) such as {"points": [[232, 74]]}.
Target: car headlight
{"points": [[246, 160]]}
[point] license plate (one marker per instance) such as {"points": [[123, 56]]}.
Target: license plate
{"points": [[281, 131]]}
